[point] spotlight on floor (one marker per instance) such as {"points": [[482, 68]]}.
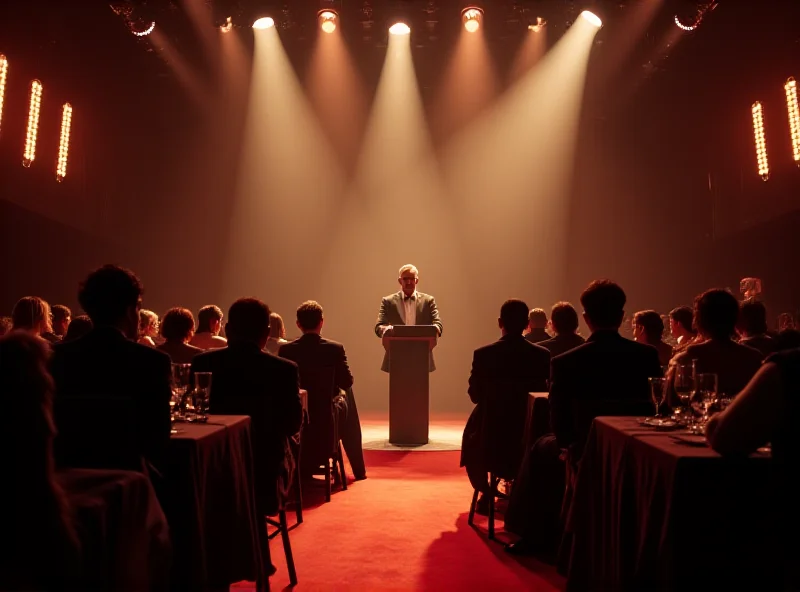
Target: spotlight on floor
{"points": [[265, 22], [472, 18], [400, 29], [328, 20], [592, 18]]}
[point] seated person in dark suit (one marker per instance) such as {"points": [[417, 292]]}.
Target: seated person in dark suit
{"points": [[716, 313], [648, 328], [503, 373], [248, 381], [537, 326], [766, 411], [38, 543], [752, 327], [177, 329], [607, 375], [107, 362], [312, 351], [564, 320]]}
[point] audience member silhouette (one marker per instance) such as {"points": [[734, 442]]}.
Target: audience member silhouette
{"points": [[648, 328], [752, 328], [503, 373], [32, 315], [107, 363], [62, 316], [277, 333], [537, 326], [78, 327], [6, 325], [148, 327], [715, 315], [564, 320], [209, 324], [39, 548], [177, 328], [681, 327]]}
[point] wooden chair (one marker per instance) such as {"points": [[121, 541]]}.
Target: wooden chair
{"points": [[282, 528]]}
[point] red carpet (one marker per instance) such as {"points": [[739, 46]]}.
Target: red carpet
{"points": [[404, 528]]}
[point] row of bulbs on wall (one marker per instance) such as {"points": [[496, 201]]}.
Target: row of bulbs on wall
{"points": [[762, 158]]}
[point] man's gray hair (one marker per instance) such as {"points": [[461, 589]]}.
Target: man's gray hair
{"points": [[408, 267]]}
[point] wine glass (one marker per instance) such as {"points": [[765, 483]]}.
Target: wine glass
{"points": [[706, 395], [684, 385], [202, 392], [180, 384], [657, 388]]}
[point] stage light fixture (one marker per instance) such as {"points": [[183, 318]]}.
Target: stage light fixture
{"points": [[227, 27], [690, 18], [472, 17], [794, 117], [265, 22], [34, 106], [63, 144], [328, 20], [761, 140], [400, 29], [538, 26], [143, 30], [3, 76], [592, 18]]}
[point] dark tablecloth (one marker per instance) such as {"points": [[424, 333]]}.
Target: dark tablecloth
{"points": [[651, 513], [210, 504], [122, 530]]}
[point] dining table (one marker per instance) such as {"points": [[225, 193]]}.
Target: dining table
{"points": [[209, 501], [658, 509]]}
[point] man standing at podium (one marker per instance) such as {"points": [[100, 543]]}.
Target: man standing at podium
{"points": [[407, 307]]}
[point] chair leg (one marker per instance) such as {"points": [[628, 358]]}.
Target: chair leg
{"points": [[287, 548], [341, 466], [298, 496], [492, 494], [328, 480], [472, 507]]}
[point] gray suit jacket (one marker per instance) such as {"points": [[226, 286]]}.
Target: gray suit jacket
{"points": [[391, 313]]}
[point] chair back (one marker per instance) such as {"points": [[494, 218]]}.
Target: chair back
{"points": [[320, 435], [97, 432], [504, 421]]}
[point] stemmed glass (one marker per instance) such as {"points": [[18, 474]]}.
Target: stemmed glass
{"points": [[180, 384], [657, 388], [202, 392], [705, 397], [684, 385]]}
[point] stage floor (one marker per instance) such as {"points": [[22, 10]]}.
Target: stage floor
{"points": [[444, 434]]}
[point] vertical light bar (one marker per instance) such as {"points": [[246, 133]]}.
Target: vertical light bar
{"points": [[63, 144], [761, 141], [3, 75], [33, 123], [794, 117]]}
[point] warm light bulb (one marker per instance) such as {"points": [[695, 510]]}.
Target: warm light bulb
{"points": [[264, 23], [228, 26], [592, 18], [147, 31], [472, 19], [794, 117], [33, 123], [327, 21], [400, 29], [760, 140], [63, 145], [3, 76]]}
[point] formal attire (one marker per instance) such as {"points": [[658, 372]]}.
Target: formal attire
{"points": [[313, 351], [503, 373], [399, 309], [105, 363], [665, 352], [763, 343], [562, 343], [733, 363], [274, 344], [537, 336], [248, 381], [207, 340], [179, 352]]}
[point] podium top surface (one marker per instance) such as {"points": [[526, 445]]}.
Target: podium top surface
{"points": [[414, 331]]}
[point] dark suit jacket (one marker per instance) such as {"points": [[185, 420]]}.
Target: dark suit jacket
{"points": [[537, 336], [313, 351], [391, 313], [503, 373], [248, 381], [607, 375], [562, 343], [763, 343], [106, 363]]}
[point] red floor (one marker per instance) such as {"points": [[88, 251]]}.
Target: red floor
{"points": [[404, 528]]}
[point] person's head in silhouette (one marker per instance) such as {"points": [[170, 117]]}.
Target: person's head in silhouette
{"points": [[715, 314], [32, 314], [62, 316], [277, 330], [513, 317], [603, 305], [408, 279], [309, 317], [209, 319], [248, 322], [112, 297], [537, 319], [647, 327], [564, 319], [681, 323], [78, 327], [177, 325], [752, 319]]}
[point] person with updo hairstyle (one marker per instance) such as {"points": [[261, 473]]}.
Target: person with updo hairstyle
{"points": [[148, 327]]}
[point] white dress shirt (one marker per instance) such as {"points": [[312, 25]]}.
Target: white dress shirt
{"points": [[410, 309]]}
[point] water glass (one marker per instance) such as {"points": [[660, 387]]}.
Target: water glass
{"points": [[657, 392], [684, 386], [180, 384], [202, 393]]}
